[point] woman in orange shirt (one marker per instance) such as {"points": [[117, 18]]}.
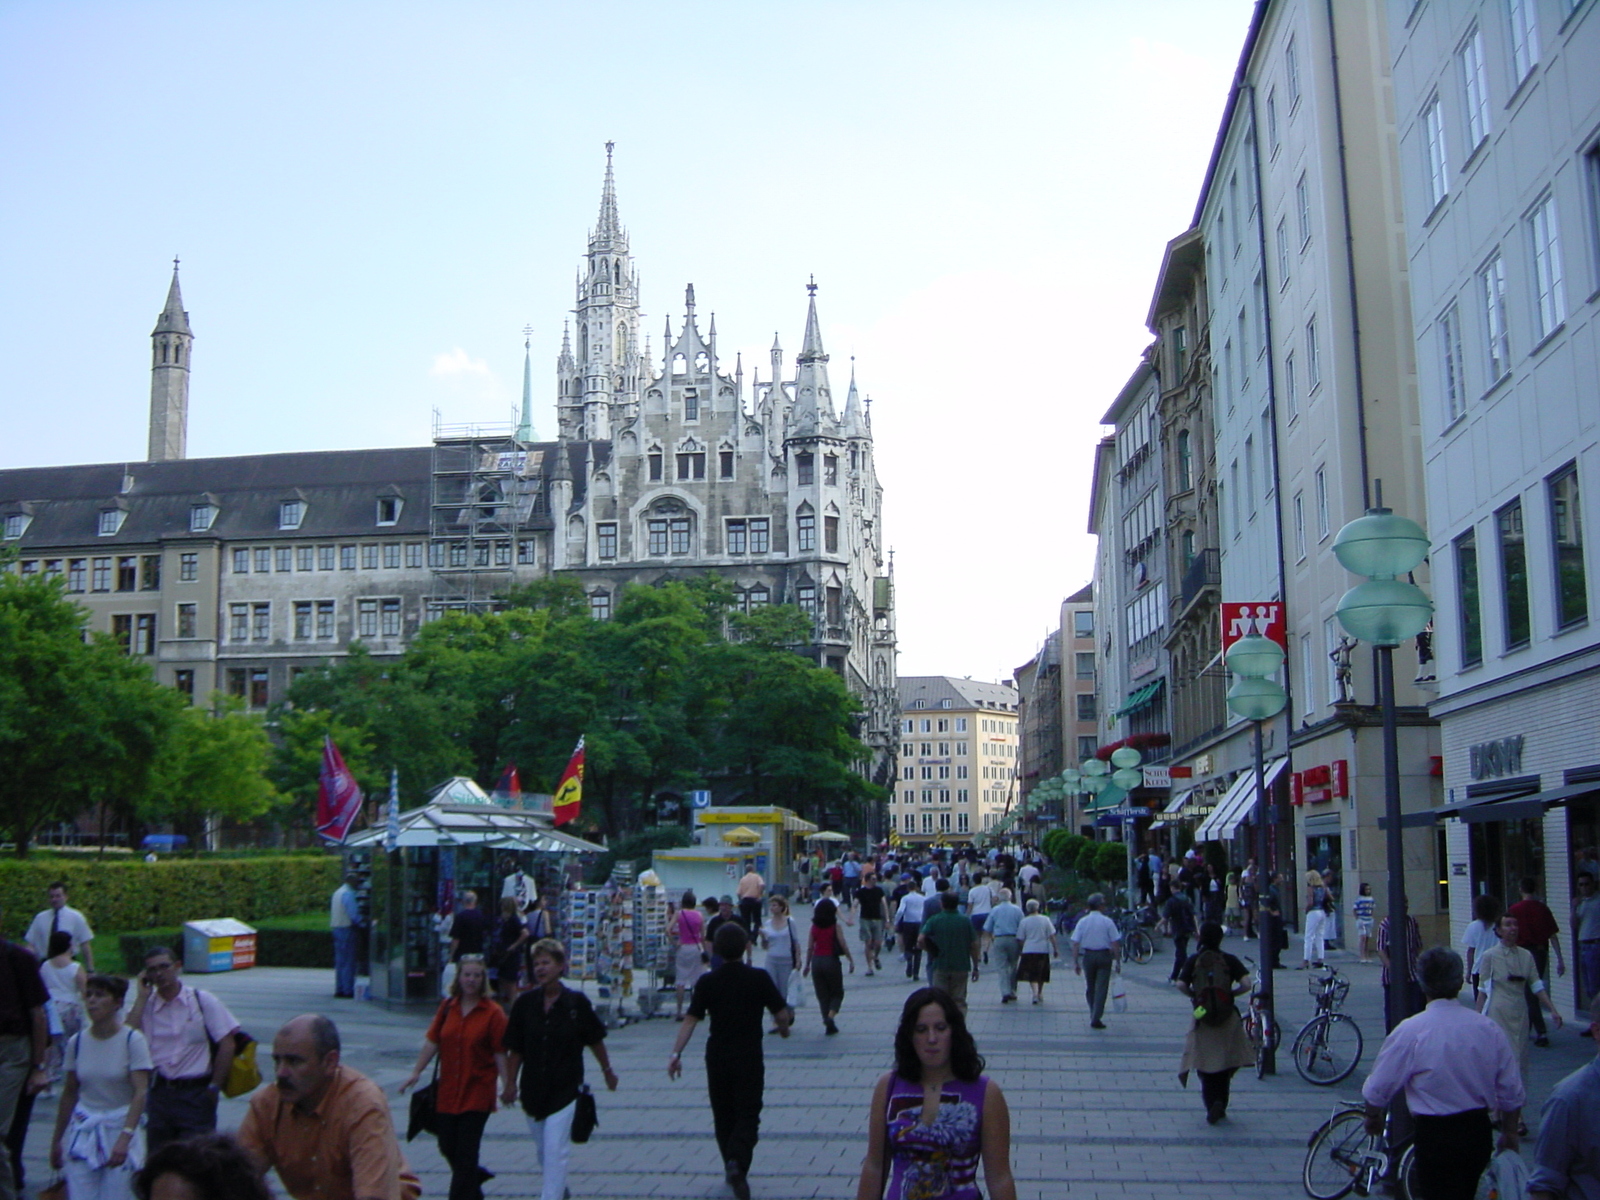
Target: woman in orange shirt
{"points": [[466, 1034]]}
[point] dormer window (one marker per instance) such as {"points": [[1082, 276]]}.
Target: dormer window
{"points": [[291, 513], [16, 525], [691, 404], [110, 521], [388, 510], [201, 516]]}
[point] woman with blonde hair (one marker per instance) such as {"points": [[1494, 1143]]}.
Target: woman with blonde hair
{"points": [[782, 946], [1316, 922], [466, 1034]]}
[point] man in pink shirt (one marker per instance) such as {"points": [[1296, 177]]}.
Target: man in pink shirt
{"points": [[182, 1025], [1458, 1071]]}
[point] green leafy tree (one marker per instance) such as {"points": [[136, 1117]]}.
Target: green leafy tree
{"points": [[213, 762], [81, 723]]}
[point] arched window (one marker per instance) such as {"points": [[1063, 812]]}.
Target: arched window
{"points": [[616, 272], [1185, 462], [163, 351], [679, 364]]}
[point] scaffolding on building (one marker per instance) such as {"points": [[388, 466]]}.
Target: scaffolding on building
{"points": [[488, 508]]}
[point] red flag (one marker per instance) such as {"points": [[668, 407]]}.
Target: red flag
{"points": [[338, 797], [569, 792], [509, 783]]}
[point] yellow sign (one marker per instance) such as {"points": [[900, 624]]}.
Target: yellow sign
{"points": [[745, 818]]}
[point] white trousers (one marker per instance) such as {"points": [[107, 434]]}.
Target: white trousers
{"points": [[554, 1135], [1316, 926], [97, 1183]]}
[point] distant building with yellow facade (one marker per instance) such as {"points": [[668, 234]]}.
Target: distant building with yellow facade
{"points": [[958, 758]]}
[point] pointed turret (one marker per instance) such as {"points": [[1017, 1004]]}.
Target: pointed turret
{"points": [[170, 344], [525, 425], [599, 384], [854, 422], [813, 399], [173, 319]]}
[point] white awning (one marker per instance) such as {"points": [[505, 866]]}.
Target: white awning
{"points": [[1177, 802], [1235, 807]]}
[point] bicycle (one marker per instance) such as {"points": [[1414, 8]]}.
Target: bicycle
{"points": [[1342, 1157], [1137, 944], [1330, 1044], [1259, 1026]]}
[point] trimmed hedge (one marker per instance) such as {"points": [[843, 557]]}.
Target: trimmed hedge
{"points": [[274, 947], [162, 895]]}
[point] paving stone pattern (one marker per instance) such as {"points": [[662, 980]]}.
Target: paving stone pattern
{"points": [[1094, 1113]]}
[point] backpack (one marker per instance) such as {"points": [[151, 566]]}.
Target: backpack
{"points": [[1213, 988]]}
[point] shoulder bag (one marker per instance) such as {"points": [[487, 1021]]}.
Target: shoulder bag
{"points": [[586, 1117], [423, 1116]]}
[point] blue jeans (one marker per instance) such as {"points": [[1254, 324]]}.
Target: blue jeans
{"points": [[344, 961]]}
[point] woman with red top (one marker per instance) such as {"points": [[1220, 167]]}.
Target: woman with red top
{"points": [[467, 1034], [826, 947]]}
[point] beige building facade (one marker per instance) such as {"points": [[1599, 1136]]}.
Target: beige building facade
{"points": [[959, 752]]}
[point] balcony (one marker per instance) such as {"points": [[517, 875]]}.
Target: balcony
{"points": [[1205, 570]]}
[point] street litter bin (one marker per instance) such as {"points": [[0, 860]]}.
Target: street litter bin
{"points": [[219, 944]]}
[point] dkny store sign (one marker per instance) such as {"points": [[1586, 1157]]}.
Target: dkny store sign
{"points": [[1492, 760]]}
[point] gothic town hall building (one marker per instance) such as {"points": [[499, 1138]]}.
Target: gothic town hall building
{"points": [[235, 573]]}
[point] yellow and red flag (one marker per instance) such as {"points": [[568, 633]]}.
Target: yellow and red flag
{"points": [[569, 792]]}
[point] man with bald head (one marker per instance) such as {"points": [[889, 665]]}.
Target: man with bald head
{"points": [[322, 1126]]}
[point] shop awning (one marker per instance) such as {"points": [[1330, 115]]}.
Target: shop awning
{"points": [[1171, 812], [1510, 808], [1235, 807], [1141, 698], [476, 824]]}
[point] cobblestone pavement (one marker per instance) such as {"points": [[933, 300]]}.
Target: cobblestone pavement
{"points": [[1094, 1113]]}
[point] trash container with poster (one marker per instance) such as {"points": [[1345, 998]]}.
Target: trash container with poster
{"points": [[220, 944]]}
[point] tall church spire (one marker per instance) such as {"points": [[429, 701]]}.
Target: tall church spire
{"points": [[170, 343], [811, 346], [525, 426], [609, 227]]}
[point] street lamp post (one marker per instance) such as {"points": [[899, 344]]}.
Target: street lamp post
{"points": [[1384, 611], [1257, 698], [1127, 776]]}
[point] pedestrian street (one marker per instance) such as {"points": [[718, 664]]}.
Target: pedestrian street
{"points": [[1093, 1114]]}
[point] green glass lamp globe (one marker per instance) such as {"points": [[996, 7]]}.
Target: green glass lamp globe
{"points": [[1256, 699], [1385, 612], [1254, 655], [1380, 544], [1127, 778], [1125, 756]]}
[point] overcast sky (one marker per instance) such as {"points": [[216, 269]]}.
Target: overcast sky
{"points": [[372, 200]]}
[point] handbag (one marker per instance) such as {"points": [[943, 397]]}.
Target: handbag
{"points": [[424, 1112], [1119, 994], [586, 1117], [794, 994]]}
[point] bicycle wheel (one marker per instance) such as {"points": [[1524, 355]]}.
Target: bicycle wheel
{"points": [[1334, 1158], [1327, 1049], [1139, 946], [1266, 1039], [1404, 1189]]}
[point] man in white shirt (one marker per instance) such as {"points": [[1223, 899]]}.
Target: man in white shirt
{"points": [[908, 924], [59, 917], [1458, 1071], [1097, 947]]}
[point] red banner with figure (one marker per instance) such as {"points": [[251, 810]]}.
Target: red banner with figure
{"points": [[338, 797], [569, 792]]}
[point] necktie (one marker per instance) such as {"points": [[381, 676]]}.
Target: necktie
{"points": [[55, 923]]}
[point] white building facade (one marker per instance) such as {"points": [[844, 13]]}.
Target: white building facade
{"points": [[1498, 106]]}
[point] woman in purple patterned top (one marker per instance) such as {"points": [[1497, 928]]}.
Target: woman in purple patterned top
{"points": [[936, 1115]]}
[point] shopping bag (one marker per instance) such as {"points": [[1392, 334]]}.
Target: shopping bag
{"points": [[1506, 1179], [245, 1073], [1119, 994], [795, 993]]}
